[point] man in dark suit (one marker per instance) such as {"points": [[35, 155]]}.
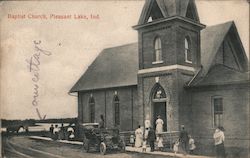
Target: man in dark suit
{"points": [[184, 139], [151, 138]]}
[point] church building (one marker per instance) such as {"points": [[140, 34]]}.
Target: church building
{"points": [[188, 73]]}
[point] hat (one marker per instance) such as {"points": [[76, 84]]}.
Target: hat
{"points": [[221, 128]]}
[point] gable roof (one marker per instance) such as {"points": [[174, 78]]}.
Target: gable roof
{"points": [[221, 75], [117, 66], [168, 8], [212, 38]]}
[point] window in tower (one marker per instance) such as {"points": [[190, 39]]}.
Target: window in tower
{"points": [[157, 51], [188, 54]]}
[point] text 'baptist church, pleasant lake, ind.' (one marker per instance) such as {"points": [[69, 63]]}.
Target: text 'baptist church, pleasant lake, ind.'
{"points": [[53, 16]]}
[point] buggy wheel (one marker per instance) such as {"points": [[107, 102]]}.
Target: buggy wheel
{"points": [[122, 146], [103, 148], [86, 145]]}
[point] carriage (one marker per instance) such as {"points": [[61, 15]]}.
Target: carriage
{"points": [[101, 139]]}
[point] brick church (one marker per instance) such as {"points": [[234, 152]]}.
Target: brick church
{"points": [[188, 73]]}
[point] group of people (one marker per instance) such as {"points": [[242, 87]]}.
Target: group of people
{"points": [[62, 132], [152, 137], [184, 144], [149, 135]]}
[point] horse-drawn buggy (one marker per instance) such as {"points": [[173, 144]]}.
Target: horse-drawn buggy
{"points": [[100, 139]]}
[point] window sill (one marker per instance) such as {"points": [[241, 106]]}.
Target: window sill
{"points": [[190, 62], [157, 62]]}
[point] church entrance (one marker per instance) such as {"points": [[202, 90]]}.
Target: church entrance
{"points": [[159, 108]]}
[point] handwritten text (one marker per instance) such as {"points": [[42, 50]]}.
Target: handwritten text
{"points": [[33, 67]]}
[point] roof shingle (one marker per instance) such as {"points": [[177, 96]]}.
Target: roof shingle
{"points": [[211, 40], [117, 66], [221, 74]]}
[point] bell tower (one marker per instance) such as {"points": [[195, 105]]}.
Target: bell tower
{"points": [[169, 56]]}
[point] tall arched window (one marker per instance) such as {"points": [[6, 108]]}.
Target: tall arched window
{"points": [[188, 54], [117, 110], [158, 50], [92, 109]]}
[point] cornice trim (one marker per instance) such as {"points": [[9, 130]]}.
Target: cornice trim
{"points": [[165, 68]]}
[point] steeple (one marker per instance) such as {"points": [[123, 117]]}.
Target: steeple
{"points": [[157, 10]]}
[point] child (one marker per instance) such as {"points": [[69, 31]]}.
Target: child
{"points": [[191, 145], [144, 145], [56, 132], [70, 131], [176, 146], [160, 142], [132, 140]]}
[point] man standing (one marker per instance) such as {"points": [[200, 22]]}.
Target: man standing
{"points": [[219, 139], [51, 129], [101, 122], [151, 138], [62, 132], [184, 139]]}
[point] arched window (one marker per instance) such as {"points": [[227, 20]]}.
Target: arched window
{"points": [[159, 92], [158, 50], [92, 109], [117, 110], [188, 54]]}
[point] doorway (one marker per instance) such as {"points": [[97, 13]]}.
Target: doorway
{"points": [[159, 108]]}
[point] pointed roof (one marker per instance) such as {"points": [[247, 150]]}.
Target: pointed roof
{"points": [[114, 67], [211, 39], [169, 8]]}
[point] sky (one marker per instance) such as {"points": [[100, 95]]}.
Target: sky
{"points": [[73, 44]]}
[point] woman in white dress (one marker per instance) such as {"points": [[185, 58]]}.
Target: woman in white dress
{"points": [[159, 125], [138, 137]]}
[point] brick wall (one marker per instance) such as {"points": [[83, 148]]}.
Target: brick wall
{"points": [[104, 104], [185, 30], [146, 40], [184, 98], [235, 119], [172, 35]]}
